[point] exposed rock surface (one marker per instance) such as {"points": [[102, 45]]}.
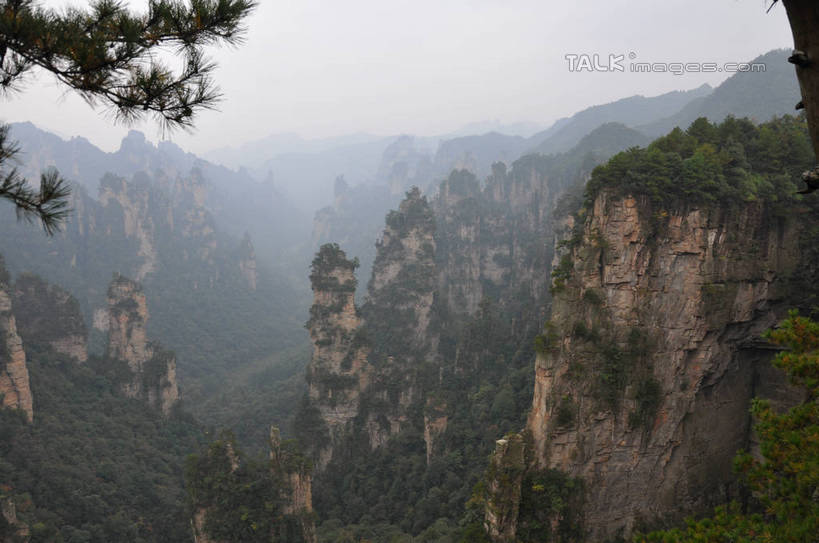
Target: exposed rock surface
{"points": [[297, 492], [15, 389], [504, 479], [339, 369], [150, 369], [49, 315], [247, 262], [402, 288], [648, 340]]}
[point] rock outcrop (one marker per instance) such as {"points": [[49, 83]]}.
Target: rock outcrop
{"points": [[652, 333], [15, 388], [402, 288], [297, 491], [247, 262], [150, 370], [282, 502], [47, 314], [339, 370]]}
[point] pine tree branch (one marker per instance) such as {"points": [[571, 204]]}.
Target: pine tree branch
{"points": [[49, 205], [106, 53]]}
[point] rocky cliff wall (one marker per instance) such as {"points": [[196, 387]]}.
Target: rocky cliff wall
{"points": [[150, 370], [15, 389], [339, 370], [49, 315], [647, 366]]}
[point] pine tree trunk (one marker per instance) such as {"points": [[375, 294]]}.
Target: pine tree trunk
{"points": [[804, 19]]}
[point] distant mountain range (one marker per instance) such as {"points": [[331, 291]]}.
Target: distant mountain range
{"points": [[304, 170]]}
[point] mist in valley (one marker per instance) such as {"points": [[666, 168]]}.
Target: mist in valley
{"points": [[416, 276]]}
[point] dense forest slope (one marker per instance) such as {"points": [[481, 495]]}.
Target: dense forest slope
{"points": [[83, 458]]}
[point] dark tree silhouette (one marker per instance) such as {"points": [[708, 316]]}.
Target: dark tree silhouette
{"points": [[110, 56], [803, 16]]}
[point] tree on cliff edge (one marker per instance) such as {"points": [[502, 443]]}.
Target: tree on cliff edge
{"points": [[109, 55]]}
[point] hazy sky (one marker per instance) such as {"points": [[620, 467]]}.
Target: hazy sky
{"points": [[325, 68]]}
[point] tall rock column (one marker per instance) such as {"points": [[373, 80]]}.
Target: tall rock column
{"points": [[297, 492], [15, 390], [151, 369], [399, 318], [646, 371], [338, 371]]}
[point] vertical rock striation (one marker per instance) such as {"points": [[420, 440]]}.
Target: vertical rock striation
{"points": [[15, 389], [651, 336], [150, 370], [247, 262], [297, 491], [339, 369]]}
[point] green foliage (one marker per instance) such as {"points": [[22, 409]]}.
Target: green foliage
{"points": [[49, 204], [562, 273], [413, 213], [550, 506], [241, 497], [546, 341], [727, 163], [484, 394], [592, 297], [565, 412], [97, 467], [330, 258], [648, 397], [785, 481], [107, 53]]}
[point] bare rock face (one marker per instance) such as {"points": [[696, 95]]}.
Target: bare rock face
{"points": [[504, 479], [297, 493], [435, 424], [490, 238], [247, 262], [645, 371], [394, 332], [138, 223], [399, 315], [15, 389], [50, 315], [151, 369], [402, 287], [339, 369]]}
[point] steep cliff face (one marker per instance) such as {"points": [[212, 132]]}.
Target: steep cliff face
{"points": [[339, 370], [646, 369], [47, 314], [247, 262], [150, 370], [402, 288], [117, 195], [297, 490], [15, 389], [491, 238]]}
